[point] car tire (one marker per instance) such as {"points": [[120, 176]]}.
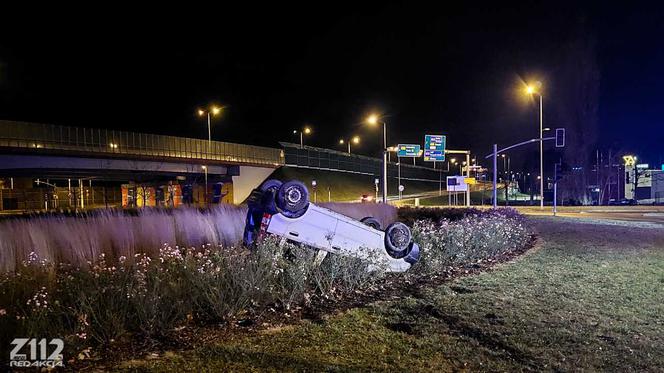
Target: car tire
{"points": [[398, 240], [371, 221], [271, 185], [269, 191], [292, 199]]}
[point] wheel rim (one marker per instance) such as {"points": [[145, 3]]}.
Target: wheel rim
{"points": [[400, 237], [293, 196]]}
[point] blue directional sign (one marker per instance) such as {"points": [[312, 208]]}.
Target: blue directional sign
{"points": [[408, 150], [434, 148]]}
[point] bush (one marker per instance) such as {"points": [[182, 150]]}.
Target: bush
{"points": [[478, 235], [151, 296], [116, 233], [409, 215]]}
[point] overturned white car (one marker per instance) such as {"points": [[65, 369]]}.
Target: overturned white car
{"points": [[285, 210]]}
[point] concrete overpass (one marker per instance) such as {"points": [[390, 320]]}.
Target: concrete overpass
{"points": [[52, 151]]}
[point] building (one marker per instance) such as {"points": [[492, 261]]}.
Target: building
{"points": [[644, 184], [657, 191]]}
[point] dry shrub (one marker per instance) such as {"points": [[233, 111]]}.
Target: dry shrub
{"points": [[78, 240]]}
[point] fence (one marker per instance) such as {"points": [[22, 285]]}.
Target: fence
{"points": [[111, 142], [59, 198], [326, 159]]}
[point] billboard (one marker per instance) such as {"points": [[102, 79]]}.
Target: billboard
{"points": [[408, 150], [434, 148]]}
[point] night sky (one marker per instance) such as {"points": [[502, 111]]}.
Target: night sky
{"points": [[444, 70]]}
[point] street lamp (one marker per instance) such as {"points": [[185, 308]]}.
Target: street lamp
{"points": [[535, 90], [304, 131], [355, 140], [214, 110], [206, 184], [373, 120]]}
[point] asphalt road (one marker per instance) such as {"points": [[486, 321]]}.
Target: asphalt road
{"points": [[651, 214]]}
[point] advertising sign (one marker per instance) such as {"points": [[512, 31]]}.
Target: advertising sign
{"points": [[434, 148]]}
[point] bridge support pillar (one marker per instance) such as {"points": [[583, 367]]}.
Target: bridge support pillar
{"points": [[249, 178]]}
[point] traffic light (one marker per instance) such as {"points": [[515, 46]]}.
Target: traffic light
{"points": [[560, 137]]}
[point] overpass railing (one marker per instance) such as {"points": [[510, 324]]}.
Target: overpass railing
{"points": [[111, 142], [327, 159]]}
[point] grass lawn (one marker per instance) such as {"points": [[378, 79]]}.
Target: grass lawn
{"points": [[589, 297], [346, 186]]}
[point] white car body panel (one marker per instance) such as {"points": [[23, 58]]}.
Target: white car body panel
{"points": [[330, 231]]}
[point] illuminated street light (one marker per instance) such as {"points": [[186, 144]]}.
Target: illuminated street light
{"points": [[354, 140], [214, 110], [304, 131], [531, 90], [373, 120]]}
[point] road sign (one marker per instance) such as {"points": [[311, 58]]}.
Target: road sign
{"points": [[408, 150], [456, 184], [470, 181], [434, 148]]}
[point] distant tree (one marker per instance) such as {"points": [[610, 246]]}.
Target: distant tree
{"points": [[577, 81]]}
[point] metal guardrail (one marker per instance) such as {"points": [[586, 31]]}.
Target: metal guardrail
{"points": [[111, 142], [327, 159]]}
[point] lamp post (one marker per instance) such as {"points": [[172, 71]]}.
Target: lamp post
{"points": [[374, 120], [355, 140], [534, 90], [304, 131], [206, 184], [399, 177], [214, 110]]}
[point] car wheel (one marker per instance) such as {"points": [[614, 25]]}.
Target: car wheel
{"points": [[398, 240], [269, 191], [293, 199], [271, 185], [371, 221]]}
